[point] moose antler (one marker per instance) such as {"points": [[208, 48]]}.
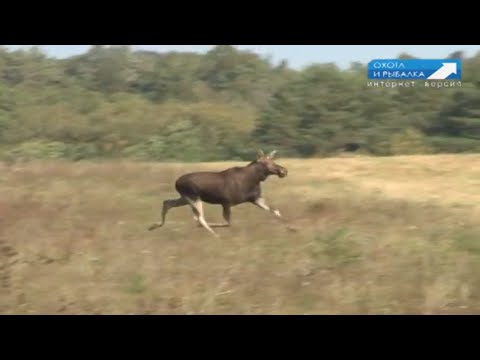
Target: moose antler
{"points": [[272, 154]]}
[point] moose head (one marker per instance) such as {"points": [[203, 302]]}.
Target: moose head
{"points": [[268, 162]]}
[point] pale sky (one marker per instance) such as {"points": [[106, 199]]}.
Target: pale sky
{"points": [[297, 56]]}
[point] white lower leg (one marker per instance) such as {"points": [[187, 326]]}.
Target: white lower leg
{"points": [[198, 206], [206, 226], [260, 202]]}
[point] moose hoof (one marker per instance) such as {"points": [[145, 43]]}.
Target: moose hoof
{"points": [[154, 226], [276, 212]]}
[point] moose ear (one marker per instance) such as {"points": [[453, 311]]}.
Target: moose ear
{"points": [[272, 154], [260, 154]]}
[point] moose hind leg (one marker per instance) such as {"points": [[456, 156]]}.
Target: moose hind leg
{"points": [[197, 207], [167, 205], [226, 216]]}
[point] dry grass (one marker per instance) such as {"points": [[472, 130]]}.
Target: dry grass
{"points": [[363, 236]]}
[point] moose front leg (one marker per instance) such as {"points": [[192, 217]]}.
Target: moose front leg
{"points": [[260, 202]]}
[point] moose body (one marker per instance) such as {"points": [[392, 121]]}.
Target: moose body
{"points": [[230, 187]]}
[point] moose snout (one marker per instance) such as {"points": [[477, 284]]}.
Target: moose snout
{"points": [[282, 172]]}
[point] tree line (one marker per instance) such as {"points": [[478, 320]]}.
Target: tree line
{"points": [[115, 102]]}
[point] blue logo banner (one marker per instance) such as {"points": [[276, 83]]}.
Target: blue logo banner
{"points": [[415, 69]]}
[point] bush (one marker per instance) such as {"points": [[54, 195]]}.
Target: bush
{"points": [[37, 150], [408, 142], [451, 144], [153, 149], [80, 151]]}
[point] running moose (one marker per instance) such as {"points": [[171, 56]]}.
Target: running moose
{"points": [[228, 188]]}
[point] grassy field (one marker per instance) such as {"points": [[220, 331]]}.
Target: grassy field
{"points": [[362, 236]]}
